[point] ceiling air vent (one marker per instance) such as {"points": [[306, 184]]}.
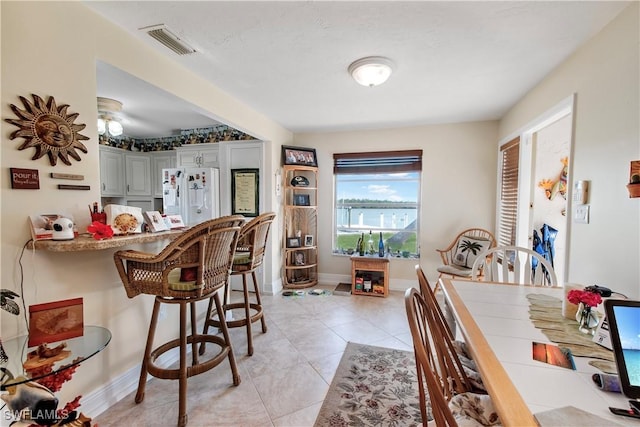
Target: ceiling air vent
{"points": [[169, 39]]}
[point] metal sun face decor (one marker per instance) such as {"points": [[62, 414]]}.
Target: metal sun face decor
{"points": [[49, 129]]}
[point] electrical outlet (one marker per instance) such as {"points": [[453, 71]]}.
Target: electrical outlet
{"points": [[581, 214]]}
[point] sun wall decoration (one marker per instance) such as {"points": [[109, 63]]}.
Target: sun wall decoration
{"points": [[49, 129]]}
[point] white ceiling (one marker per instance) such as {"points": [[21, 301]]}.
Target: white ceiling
{"points": [[454, 60]]}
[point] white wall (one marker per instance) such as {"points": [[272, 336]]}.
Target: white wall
{"points": [[457, 192], [50, 49], [604, 75]]}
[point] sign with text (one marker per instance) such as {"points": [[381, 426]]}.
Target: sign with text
{"points": [[25, 179]]}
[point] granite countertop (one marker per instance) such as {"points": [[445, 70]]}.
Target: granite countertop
{"points": [[85, 242]]}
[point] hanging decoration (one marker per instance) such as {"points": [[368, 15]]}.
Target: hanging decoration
{"points": [[49, 129], [559, 186]]}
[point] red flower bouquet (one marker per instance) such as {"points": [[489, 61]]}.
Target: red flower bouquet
{"points": [[590, 299], [100, 231]]}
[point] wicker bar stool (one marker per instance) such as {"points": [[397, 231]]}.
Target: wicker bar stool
{"points": [[191, 268], [248, 257]]}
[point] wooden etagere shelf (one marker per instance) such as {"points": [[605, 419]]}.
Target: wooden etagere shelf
{"points": [[300, 228]]}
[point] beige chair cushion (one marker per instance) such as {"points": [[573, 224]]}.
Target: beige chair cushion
{"points": [[177, 285], [455, 270], [470, 409]]}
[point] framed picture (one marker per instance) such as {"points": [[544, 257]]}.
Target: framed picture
{"points": [[299, 156], [301, 200], [298, 258], [308, 240], [293, 242], [55, 321], [244, 192]]}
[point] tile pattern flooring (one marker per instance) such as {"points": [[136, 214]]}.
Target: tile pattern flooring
{"points": [[286, 379]]}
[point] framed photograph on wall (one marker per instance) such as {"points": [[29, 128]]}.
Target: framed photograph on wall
{"points": [[308, 240], [244, 192], [299, 156], [293, 242]]}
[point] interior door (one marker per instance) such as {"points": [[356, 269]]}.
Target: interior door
{"points": [[543, 186]]}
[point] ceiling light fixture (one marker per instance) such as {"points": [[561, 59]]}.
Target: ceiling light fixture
{"points": [[107, 120], [371, 71], [162, 34]]}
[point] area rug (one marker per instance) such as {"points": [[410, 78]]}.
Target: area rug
{"points": [[373, 386]]}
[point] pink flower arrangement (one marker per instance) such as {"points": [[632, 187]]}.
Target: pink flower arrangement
{"points": [[100, 231], [589, 299]]}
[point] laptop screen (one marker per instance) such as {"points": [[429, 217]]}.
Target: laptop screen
{"points": [[624, 328]]}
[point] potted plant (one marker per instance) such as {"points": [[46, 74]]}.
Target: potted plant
{"points": [[634, 185]]}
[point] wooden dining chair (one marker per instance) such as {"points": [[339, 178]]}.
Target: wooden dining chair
{"points": [[448, 408], [452, 355], [191, 268], [514, 264]]}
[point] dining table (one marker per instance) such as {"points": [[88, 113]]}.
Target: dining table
{"points": [[494, 321]]}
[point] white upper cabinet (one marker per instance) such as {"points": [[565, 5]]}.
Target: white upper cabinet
{"points": [[111, 172], [138, 173], [199, 155]]}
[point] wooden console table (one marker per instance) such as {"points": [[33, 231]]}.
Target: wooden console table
{"points": [[377, 268]]}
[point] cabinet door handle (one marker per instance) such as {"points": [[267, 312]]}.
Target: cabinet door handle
{"points": [[104, 186], [127, 188]]}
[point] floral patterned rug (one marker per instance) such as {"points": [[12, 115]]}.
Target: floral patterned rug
{"points": [[373, 386]]}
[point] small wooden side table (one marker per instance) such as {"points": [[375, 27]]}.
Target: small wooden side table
{"points": [[377, 268]]}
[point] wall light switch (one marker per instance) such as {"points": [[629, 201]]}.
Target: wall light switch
{"points": [[581, 214]]}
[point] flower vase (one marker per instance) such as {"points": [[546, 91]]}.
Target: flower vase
{"points": [[587, 319]]}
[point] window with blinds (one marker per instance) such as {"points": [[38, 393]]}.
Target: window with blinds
{"points": [[507, 211], [377, 194]]}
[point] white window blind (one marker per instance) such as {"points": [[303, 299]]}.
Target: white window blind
{"points": [[507, 212]]}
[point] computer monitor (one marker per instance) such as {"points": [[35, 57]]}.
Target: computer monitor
{"points": [[624, 329]]}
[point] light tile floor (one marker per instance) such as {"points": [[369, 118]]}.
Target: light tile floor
{"points": [[286, 379]]}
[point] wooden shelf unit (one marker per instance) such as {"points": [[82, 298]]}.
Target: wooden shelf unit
{"points": [[374, 266], [300, 268]]}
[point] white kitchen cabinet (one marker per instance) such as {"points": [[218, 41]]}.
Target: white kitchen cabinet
{"points": [[112, 180], [138, 174], [200, 155], [161, 160]]}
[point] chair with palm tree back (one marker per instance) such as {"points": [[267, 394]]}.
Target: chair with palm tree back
{"points": [[458, 258]]}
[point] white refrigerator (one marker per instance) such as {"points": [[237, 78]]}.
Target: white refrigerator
{"points": [[192, 192]]}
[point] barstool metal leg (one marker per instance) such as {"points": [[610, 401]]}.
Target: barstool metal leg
{"points": [[258, 300], [225, 334], [147, 351], [182, 393]]}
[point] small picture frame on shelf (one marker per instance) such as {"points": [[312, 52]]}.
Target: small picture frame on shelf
{"points": [[299, 156], [298, 258], [293, 242], [55, 321], [308, 240], [301, 200]]}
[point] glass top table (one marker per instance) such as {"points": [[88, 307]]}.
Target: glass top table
{"points": [[93, 340]]}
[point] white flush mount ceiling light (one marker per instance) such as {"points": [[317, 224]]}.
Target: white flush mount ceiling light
{"points": [[371, 71], [107, 120]]}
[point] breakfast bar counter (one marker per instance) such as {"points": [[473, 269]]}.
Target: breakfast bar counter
{"points": [[85, 242]]}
